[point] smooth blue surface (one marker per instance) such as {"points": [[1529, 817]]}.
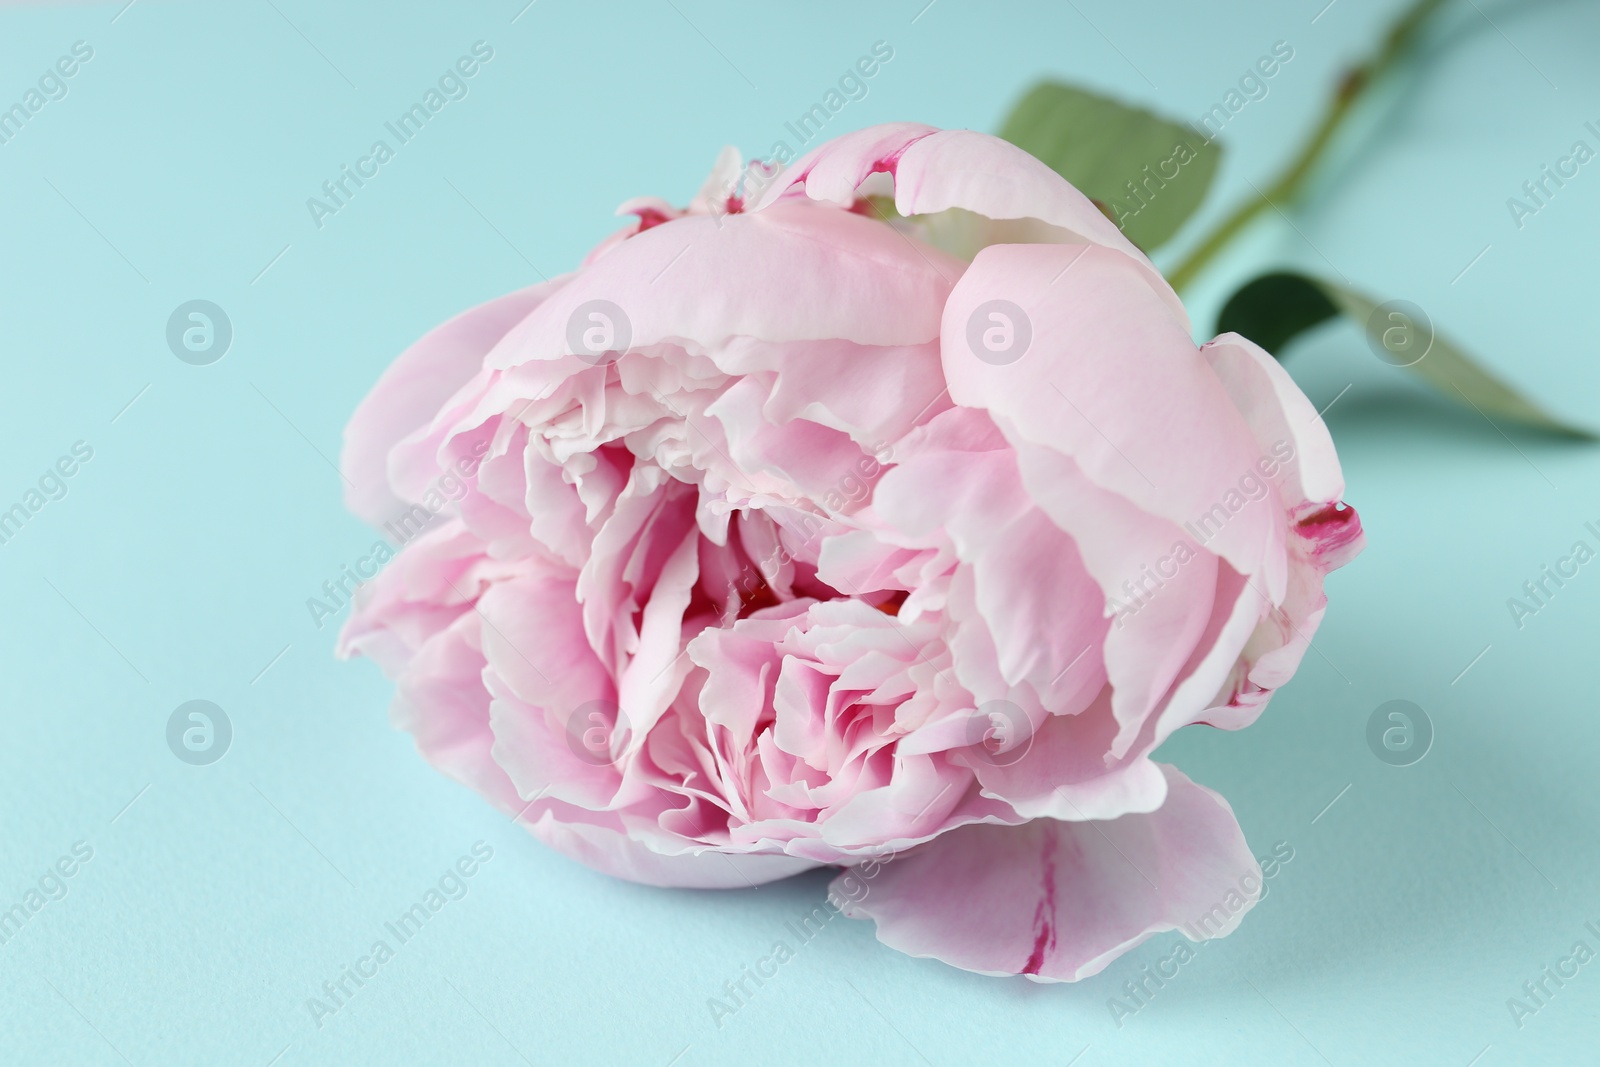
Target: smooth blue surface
{"points": [[219, 898]]}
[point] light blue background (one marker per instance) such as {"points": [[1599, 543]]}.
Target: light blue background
{"points": [[224, 896]]}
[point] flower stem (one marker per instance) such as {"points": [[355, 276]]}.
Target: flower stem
{"points": [[1401, 36]]}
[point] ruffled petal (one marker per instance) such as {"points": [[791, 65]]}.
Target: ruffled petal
{"points": [[1283, 419], [1058, 901], [962, 170], [797, 272], [408, 394], [1111, 379], [441, 702]]}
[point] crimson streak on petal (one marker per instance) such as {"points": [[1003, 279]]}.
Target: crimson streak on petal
{"points": [[1044, 916]]}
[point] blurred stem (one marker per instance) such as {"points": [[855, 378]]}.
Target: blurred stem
{"points": [[1401, 36]]}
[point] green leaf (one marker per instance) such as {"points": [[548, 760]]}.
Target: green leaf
{"points": [[1275, 308], [1150, 173]]}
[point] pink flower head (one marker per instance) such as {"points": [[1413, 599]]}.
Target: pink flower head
{"points": [[887, 518]]}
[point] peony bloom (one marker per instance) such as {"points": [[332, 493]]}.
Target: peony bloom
{"points": [[886, 520]]}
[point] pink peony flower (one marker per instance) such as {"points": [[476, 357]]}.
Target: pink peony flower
{"points": [[815, 531]]}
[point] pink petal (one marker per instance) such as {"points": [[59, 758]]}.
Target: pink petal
{"points": [[798, 272], [440, 700], [936, 170], [1058, 901], [833, 171], [430, 583], [533, 638], [1111, 379], [616, 852], [1163, 604], [1064, 771], [871, 393], [1280, 416], [408, 394]]}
